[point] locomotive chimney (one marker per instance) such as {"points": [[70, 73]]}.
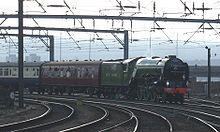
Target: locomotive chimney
{"points": [[172, 56]]}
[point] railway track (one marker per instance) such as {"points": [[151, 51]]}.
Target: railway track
{"points": [[181, 112], [140, 116], [83, 127], [49, 118], [165, 124], [184, 118], [202, 117], [211, 108], [118, 123], [107, 122], [22, 123], [204, 101], [151, 121]]}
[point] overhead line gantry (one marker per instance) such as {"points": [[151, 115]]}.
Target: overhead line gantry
{"points": [[164, 19], [125, 32]]}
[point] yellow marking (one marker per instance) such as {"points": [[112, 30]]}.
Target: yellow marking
{"points": [[45, 103], [79, 102]]}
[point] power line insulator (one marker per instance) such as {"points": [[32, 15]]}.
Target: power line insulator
{"points": [[139, 5]]}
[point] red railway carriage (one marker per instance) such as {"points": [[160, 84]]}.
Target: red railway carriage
{"points": [[72, 74]]}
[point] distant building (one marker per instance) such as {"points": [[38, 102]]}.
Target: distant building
{"points": [[12, 58], [199, 80], [32, 58], [214, 62]]}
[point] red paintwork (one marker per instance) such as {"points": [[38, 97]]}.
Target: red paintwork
{"points": [[176, 90], [83, 73]]}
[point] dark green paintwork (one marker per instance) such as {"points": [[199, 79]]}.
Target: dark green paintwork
{"points": [[117, 73], [111, 74], [148, 70]]}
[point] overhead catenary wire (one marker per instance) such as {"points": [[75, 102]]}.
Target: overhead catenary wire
{"points": [[45, 43], [194, 33], [133, 30], [73, 40], [41, 6], [171, 41]]}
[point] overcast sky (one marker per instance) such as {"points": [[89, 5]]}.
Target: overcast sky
{"points": [[164, 8], [140, 30]]}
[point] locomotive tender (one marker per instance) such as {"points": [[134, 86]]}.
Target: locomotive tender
{"points": [[158, 79]]}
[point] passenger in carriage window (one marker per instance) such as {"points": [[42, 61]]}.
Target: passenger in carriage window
{"points": [[68, 73], [26, 73], [33, 72]]}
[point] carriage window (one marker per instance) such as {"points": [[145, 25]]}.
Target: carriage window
{"points": [[86, 74], [33, 72], [93, 73], [61, 72], [78, 73], [56, 70], [73, 72], [6, 72], [37, 72], [10, 72], [83, 73], [14, 72], [1, 72], [68, 74], [26, 72], [50, 71]]}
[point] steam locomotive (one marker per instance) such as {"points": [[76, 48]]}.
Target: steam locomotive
{"points": [[155, 78]]}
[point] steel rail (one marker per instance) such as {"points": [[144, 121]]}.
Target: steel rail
{"points": [[207, 101], [89, 123], [48, 123], [132, 116], [200, 120], [203, 105], [156, 105], [13, 124], [192, 111], [84, 125], [123, 106], [213, 124], [152, 113]]}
